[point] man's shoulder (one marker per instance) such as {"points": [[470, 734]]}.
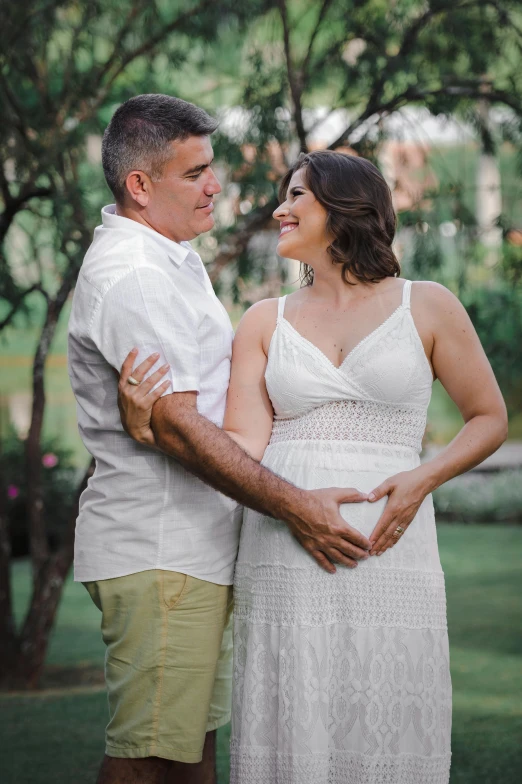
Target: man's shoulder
{"points": [[110, 260]]}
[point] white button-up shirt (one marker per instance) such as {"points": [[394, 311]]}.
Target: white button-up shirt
{"points": [[143, 510]]}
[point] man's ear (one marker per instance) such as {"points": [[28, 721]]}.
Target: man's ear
{"points": [[138, 185]]}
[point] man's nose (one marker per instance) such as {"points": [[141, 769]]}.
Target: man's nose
{"points": [[212, 185]]}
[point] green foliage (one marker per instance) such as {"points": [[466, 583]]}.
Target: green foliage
{"points": [[512, 265], [496, 313]]}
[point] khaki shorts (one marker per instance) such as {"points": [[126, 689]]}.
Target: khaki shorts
{"points": [[168, 663]]}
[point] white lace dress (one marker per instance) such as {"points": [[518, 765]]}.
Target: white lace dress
{"points": [[343, 679]]}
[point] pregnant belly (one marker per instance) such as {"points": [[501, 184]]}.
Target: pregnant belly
{"points": [[316, 465]]}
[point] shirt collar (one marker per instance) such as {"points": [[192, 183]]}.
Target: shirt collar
{"points": [[177, 251]]}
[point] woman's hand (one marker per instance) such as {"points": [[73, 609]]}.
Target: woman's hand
{"points": [[406, 492], [135, 401]]}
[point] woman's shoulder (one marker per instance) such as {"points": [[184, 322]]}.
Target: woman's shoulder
{"points": [[437, 307], [263, 311], [258, 322], [433, 295]]}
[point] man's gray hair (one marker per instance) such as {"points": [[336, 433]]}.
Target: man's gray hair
{"points": [[140, 133]]}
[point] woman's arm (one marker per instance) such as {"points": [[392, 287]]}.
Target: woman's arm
{"points": [[249, 414], [462, 367]]}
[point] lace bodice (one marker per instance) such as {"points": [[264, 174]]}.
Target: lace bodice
{"points": [[384, 384]]}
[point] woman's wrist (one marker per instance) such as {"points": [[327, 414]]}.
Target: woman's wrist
{"points": [[429, 476]]}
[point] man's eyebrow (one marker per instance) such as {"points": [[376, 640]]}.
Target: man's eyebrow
{"points": [[197, 169]]}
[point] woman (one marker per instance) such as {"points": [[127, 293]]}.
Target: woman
{"points": [[344, 678]]}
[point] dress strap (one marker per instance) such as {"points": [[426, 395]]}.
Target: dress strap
{"points": [[406, 294], [280, 308]]}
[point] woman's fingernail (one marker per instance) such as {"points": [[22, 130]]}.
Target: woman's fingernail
{"points": [[155, 355], [371, 497]]}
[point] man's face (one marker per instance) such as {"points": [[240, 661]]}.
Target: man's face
{"points": [[180, 204]]}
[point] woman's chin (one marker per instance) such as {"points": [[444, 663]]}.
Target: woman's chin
{"points": [[287, 249]]}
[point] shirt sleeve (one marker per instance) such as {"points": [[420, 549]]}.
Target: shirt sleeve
{"points": [[145, 310]]}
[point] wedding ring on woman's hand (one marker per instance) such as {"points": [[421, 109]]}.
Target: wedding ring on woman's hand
{"points": [[133, 381], [398, 532]]}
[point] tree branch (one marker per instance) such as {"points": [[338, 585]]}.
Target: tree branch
{"points": [[408, 42], [294, 78], [465, 90], [237, 242], [15, 204], [89, 107], [322, 14], [16, 305], [118, 44]]}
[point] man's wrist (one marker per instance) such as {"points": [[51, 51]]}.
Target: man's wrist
{"points": [[296, 507]]}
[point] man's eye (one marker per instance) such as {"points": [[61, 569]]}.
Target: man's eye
{"points": [[194, 176]]}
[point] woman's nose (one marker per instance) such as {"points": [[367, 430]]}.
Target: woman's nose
{"points": [[281, 212]]}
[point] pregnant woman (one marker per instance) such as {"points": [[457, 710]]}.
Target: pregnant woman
{"points": [[343, 678]]}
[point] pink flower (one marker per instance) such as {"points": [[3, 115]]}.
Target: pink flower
{"points": [[12, 491], [49, 460]]}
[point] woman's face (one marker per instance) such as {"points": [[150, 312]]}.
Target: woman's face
{"points": [[303, 222]]}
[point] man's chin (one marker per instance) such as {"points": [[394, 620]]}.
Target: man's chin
{"points": [[204, 225]]}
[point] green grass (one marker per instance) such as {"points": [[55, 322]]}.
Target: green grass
{"points": [[484, 586], [58, 739]]}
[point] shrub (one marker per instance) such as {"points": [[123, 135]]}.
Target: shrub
{"points": [[497, 316], [481, 497], [60, 478]]}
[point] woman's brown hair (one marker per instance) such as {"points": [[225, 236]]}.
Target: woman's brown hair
{"points": [[361, 217]]}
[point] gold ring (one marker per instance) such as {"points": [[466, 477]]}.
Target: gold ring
{"points": [[398, 532], [132, 380]]}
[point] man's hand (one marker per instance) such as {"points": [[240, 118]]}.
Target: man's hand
{"points": [[324, 533], [135, 402], [406, 492]]}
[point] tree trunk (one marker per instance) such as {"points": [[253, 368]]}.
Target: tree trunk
{"points": [[24, 654], [38, 544], [8, 645], [30, 647]]}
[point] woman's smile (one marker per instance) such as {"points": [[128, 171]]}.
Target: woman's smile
{"points": [[286, 226]]}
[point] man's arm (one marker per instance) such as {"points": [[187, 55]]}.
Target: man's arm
{"points": [[156, 315], [209, 453]]}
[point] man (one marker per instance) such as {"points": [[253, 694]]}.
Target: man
{"points": [[155, 545]]}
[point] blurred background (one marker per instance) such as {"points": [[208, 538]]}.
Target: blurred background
{"points": [[431, 92]]}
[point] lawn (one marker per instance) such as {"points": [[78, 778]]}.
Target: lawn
{"points": [[57, 737]]}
